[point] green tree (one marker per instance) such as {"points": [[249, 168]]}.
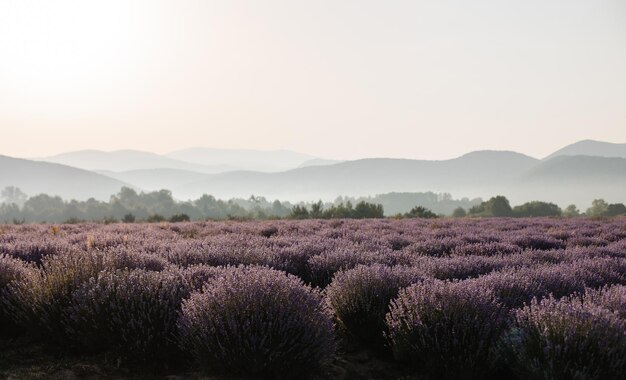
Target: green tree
{"points": [[299, 212], [179, 218], [339, 211], [10, 212], [13, 194], [571, 210], [599, 207], [156, 218], [420, 212], [317, 210], [615, 209], [44, 208], [364, 210], [496, 206], [537, 209], [459, 212], [279, 210]]}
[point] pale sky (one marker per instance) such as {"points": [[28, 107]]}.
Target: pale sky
{"points": [[340, 79]]}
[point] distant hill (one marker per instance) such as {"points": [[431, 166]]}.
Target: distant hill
{"points": [[471, 174], [243, 159], [578, 168], [157, 179], [35, 177], [591, 148], [125, 160], [575, 174], [572, 180], [319, 162]]}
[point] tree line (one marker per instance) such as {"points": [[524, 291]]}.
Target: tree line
{"points": [[499, 206], [131, 206]]}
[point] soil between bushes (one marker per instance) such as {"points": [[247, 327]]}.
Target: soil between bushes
{"points": [[23, 358]]}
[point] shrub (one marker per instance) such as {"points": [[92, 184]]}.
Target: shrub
{"points": [[132, 312], [598, 272], [124, 258], [434, 247], [486, 249], [269, 231], [195, 277], [449, 329], [179, 218], [398, 242], [515, 287], [322, 268], [458, 267], [512, 288], [539, 242], [38, 301], [155, 218], [10, 270], [293, 260], [573, 277], [360, 299], [612, 298], [258, 321], [34, 250], [568, 339], [560, 280]]}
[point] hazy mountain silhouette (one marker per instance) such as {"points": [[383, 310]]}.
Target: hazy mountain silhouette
{"points": [[591, 148], [35, 177], [125, 160], [563, 179], [243, 159], [157, 179], [573, 180], [577, 168], [319, 162], [469, 174]]}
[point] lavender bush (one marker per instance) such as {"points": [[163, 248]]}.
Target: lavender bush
{"points": [[195, 277], [132, 312], [38, 301], [255, 320], [11, 270], [512, 288], [612, 298], [568, 339], [360, 299], [448, 329]]}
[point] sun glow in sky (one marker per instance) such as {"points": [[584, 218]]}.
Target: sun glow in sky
{"points": [[339, 79]]}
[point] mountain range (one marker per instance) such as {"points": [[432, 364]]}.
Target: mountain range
{"points": [[34, 177], [591, 148], [577, 173], [201, 160]]}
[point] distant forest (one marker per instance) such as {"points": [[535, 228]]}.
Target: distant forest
{"points": [[130, 206]]}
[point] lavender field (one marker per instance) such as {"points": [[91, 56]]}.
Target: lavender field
{"points": [[414, 298]]}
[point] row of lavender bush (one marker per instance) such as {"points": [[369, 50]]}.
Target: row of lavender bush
{"points": [[540, 298]]}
